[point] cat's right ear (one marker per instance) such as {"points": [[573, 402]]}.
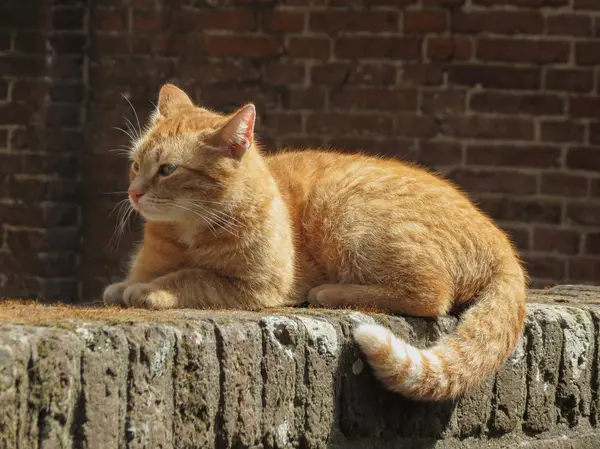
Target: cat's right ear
{"points": [[171, 97]]}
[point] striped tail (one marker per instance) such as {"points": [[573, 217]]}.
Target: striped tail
{"points": [[485, 336]]}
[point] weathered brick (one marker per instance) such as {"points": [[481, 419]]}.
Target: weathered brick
{"points": [[449, 49], [518, 235], [584, 158], [498, 22], [424, 21], [335, 21], [443, 103], [584, 107], [337, 73], [407, 48], [489, 128], [538, 156], [521, 50], [570, 80], [587, 53], [409, 125], [505, 103], [44, 214], [433, 153], [423, 74], [583, 269], [284, 73], [108, 20], [545, 267], [374, 98], [46, 240], [523, 211], [584, 214], [68, 19], [345, 124], [504, 77], [562, 131], [591, 5], [22, 66], [282, 123], [312, 98], [592, 243], [309, 47], [31, 42], [595, 133], [196, 20], [569, 25], [15, 114], [562, 184], [556, 240], [246, 46], [494, 181], [523, 3], [283, 21]]}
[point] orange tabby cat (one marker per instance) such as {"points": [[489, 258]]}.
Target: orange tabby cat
{"points": [[228, 227]]}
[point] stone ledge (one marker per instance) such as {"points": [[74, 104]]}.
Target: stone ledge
{"points": [[290, 378]]}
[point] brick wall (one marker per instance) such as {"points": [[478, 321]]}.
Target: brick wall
{"points": [[41, 113], [499, 95]]}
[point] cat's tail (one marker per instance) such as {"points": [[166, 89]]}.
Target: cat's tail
{"points": [[485, 336]]}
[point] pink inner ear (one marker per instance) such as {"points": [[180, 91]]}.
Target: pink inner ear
{"points": [[239, 131]]}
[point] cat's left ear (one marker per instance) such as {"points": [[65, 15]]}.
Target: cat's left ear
{"points": [[237, 134]]}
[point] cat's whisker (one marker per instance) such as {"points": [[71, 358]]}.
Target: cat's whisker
{"points": [[218, 212], [137, 119], [128, 134], [208, 223]]}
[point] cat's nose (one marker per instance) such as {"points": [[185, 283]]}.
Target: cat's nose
{"points": [[135, 195]]}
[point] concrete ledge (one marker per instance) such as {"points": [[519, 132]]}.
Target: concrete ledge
{"points": [[290, 378]]}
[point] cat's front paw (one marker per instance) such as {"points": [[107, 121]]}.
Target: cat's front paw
{"points": [[149, 296], [113, 294]]}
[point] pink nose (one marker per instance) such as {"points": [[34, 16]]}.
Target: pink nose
{"points": [[135, 195]]}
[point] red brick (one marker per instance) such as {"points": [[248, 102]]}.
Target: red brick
{"points": [[149, 20], [524, 3], [30, 42], [336, 21], [545, 267], [408, 125], [518, 235], [595, 133], [15, 114], [563, 184], [285, 123], [37, 240], [45, 214], [498, 22], [584, 269], [570, 80], [505, 103], [104, 20], [424, 21], [496, 77], [404, 48], [524, 211], [595, 188], [584, 158], [494, 181], [587, 53], [225, 71], [449, 49], [592, 244], [311, 98], [489, 128], [68, 19], [309, 47], [337, 73], [247, 46], [439, 153], [5, 40], [584, 107], [284, 73], [591, 5], [22, 16], [443, 103], [521, 50], [538, 156], [333, 123], [443, 2], [354, 3], [403, 149], [22, 66], [585, 214], [556, 240], [569, 25], [283, 21], [562, 131], [423, 74], [374, 98]]}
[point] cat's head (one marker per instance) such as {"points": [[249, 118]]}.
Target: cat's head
{"points": [[189, 158]]}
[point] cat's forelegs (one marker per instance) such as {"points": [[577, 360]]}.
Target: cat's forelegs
{"points": [[427, 302], [188, 288]]}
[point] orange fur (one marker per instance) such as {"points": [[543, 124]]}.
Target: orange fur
{"points": [[232, 228]]}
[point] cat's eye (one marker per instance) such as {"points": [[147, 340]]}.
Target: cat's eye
{"points": [[166, 169], [135, 166]]}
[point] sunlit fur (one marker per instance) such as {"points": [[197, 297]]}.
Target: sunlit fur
{"points": [[243, 230]]}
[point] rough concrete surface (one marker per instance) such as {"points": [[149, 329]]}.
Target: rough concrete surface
{"points": [[287, 379]]}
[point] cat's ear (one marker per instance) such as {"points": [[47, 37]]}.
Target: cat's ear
{"points": [[237, 134], [171, 97]]}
